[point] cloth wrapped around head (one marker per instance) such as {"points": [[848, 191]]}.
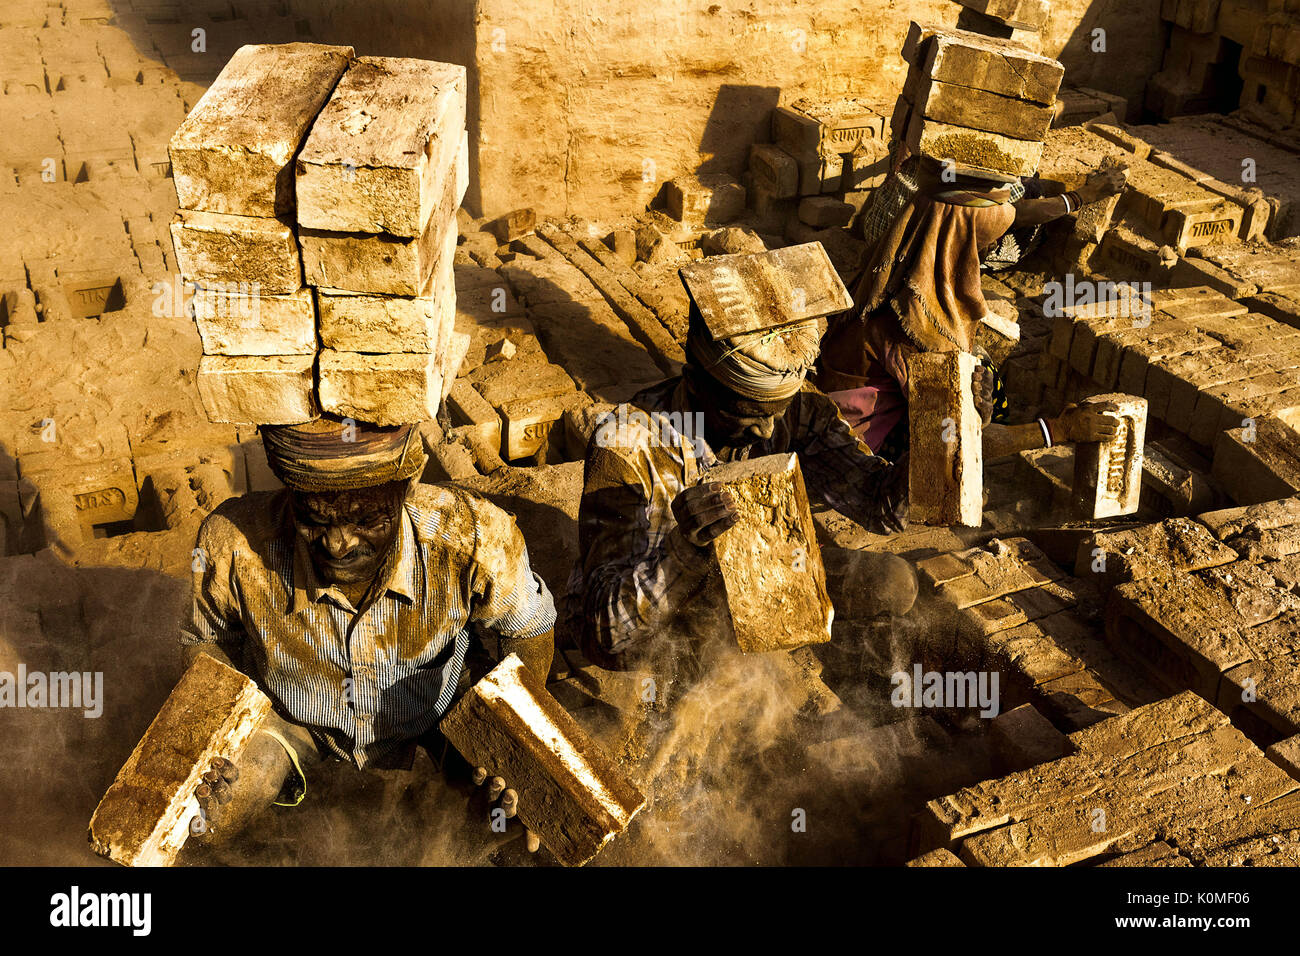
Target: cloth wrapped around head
{"points": [[331, 454], [764, 366], [926, 265]]}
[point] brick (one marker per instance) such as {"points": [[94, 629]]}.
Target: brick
{"points": [[382, 154], [233, 152], [510, 725], [514, 380], [1180, 629], [1257, 464], [822, 173], [1286, 754], [973, 150], [1159, 756], [773, 579], [1176, 544], [998, 66], [774, 170], [466, 408], [238, 324], [704, 199], [795, 132], [391, 389], [1022, 738], [981, 110], [946, 461], [1023, 14], [258, 389], [213, 248], [144, 818], [1108, 475], [823, 212], [382, 264], [526, 424], [939, 857], [740, 293]]}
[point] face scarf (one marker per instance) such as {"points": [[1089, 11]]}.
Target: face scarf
{"points": [[332, 455], [926, 267]]}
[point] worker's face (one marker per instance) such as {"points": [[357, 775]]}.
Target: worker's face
{"points": [[731, 420], [348, 533]]}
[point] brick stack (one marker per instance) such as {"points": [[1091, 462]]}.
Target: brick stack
{"points": [[318, 194], [981, 102], [379, 181], [824, 159]]}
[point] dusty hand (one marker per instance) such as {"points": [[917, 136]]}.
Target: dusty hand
{"points": [[703, 512], [213, 794], [1104, 182], [981, 383], [889, 515], [1077, 423], [496, 787]]}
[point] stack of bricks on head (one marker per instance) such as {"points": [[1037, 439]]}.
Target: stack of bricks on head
{"points": [[317, 226]]}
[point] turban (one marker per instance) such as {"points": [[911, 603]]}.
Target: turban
{"points": [[765, 366], [342, 455]]}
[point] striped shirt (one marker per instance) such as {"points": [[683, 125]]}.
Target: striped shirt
{"points": [[368, 683], [636, 577]]}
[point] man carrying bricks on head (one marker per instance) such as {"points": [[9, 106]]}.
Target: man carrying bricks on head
{"points": [[349, 598], [645, 583]]}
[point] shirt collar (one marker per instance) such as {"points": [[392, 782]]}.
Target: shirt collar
{"points": [[398, 571]]}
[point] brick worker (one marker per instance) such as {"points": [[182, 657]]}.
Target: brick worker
{"points": [[920, 291], [649, 514], [350, 598]]}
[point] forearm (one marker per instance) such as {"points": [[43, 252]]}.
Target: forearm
{"points": [[625, 606], [1003, 440], [1036, 212]]}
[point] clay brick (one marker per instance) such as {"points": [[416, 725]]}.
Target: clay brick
{"points": [[392, 389], [1286, 754], [1257, 464], [1022, 14], [237, 324], [216, 249], [144, 818], [771, 565], [526, 424], [982, 110], [998, 66], [258, 389], [234, 151], [509, 724], [1160, 755], [1176, 544], [513, 380], [1108, 475], [381, 264], [939, 857], [946, 460], [704, 199], [740, 293], [1182, 631], [774, 170], [389, 172], [1022, 738], [466, 408], [973, 150]]}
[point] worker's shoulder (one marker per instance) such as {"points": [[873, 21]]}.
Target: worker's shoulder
{"points": [[251, 519], [449, 514]]}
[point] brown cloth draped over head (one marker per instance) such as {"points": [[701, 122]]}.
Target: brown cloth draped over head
{"points": [[927, 265], [331, 454]]}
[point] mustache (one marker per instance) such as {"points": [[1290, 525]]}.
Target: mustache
{"points": [[358, 553]]}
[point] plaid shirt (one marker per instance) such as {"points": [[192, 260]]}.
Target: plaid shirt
{"points": [[635, 578], [368, 683]]}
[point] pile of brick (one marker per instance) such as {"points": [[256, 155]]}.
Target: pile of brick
{"points": [[981, 103], [1211, 605], [1213, 43], [318, 195], [824, 159], [1006, 607], [1182, 787], [1205, 364]]}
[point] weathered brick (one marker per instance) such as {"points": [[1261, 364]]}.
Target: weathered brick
{"points": [[946, 460]]}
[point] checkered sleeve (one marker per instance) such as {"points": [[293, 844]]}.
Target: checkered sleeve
{"points": [[632, 582], [510, 599], [214, 608]]}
